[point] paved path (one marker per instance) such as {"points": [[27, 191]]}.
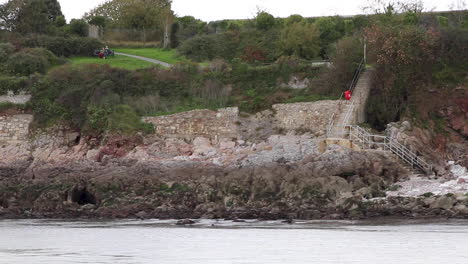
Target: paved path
{"points": [[162, 63]]}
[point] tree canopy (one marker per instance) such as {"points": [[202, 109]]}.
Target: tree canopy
{"points": [[31, 16]]}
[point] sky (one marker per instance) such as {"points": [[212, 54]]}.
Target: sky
{"points": [[211, 10]]}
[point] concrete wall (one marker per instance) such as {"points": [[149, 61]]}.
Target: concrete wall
{"points": [[15, 127], [360, 97]]}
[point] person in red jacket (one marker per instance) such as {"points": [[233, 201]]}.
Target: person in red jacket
{"points": [[347, 95]]}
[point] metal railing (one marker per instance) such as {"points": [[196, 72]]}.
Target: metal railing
{"points": [[339, 130], [357, 73], [368, 141]]}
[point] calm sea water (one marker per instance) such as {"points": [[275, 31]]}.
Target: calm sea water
{"points": [[218, 242]]}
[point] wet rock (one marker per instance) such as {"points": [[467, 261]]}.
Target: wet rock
{"points": [[185, 222], [143, 215]]}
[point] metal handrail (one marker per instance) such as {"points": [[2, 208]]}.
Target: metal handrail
{"points": [[357, 73], [366, 139]]}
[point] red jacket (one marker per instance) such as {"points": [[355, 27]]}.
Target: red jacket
{"points": [[347, 95]]}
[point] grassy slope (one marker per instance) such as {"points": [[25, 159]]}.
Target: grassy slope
{"points": [[117, 61], [169, 56]]}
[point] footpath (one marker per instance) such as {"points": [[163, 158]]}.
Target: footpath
{"points": [[162, 63]]}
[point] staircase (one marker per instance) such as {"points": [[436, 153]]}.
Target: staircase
{"points": [[353, 112], [365, 140]]}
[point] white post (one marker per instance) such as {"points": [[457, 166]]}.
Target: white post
{"points": [[365, 54]]}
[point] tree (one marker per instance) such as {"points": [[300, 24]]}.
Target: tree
{"points": [[331, 30], [99, 21], [301, 39], [79, 27], [142, 15], [294, 19], [264, 21], [30, 16]]}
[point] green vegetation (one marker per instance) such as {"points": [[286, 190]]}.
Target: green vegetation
{"points": [[98, 98], [251, 61], [122, 62], [410, 55], [427, 195], [169, 56]]}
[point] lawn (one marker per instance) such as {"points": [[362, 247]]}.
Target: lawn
{"points": [[117, 61], [169, 56]]}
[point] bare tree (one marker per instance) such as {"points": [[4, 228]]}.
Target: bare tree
{"points": [[393, 6]]}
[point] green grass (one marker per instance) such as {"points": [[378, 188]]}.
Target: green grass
{"points": [[117, 62], [169, 56]]}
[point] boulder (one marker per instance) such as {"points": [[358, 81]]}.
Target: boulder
{"points": [[443, 202]]}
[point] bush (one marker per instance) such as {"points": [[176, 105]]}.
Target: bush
{"points": [[200, 48], [23, 63], [14, 84], [123, 119], [264, 21], [66, 47], [45, 53], [6, 49], [78, 27]]}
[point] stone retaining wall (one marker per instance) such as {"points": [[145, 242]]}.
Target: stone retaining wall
{"points": [[225, 123], [15, 99], [198, 123], [311, 116], [14, 128]]}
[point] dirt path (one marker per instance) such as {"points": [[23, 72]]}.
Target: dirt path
{"points": [[162, 63]]}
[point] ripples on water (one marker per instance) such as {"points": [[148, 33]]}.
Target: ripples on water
{"points": [[219, 242]]}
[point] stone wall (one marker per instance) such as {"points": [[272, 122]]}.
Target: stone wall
{"points": [[94, 31], [15, 99], [15, 127], [311, 116], [198, 123], [225, 123]]}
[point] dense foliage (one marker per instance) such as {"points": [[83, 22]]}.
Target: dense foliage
{"points": [[96, 98], [413, 53]]}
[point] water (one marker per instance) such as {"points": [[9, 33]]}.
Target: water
{"points": [[219, 242]]}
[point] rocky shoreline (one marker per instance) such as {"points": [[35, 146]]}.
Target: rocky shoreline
{"points": [[283, 177]]}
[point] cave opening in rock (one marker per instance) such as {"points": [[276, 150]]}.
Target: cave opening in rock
{"points": [[77, 139], [83, 196]]}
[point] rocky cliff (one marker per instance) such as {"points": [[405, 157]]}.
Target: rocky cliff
{"points": [[270, 165]]}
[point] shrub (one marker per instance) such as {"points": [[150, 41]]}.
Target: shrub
{"points": [[6, 49], [66, 47], [123, 119], [199, 48], [79, 27], [14, 84], [264, 21], [23, 63], [45, 53]]}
